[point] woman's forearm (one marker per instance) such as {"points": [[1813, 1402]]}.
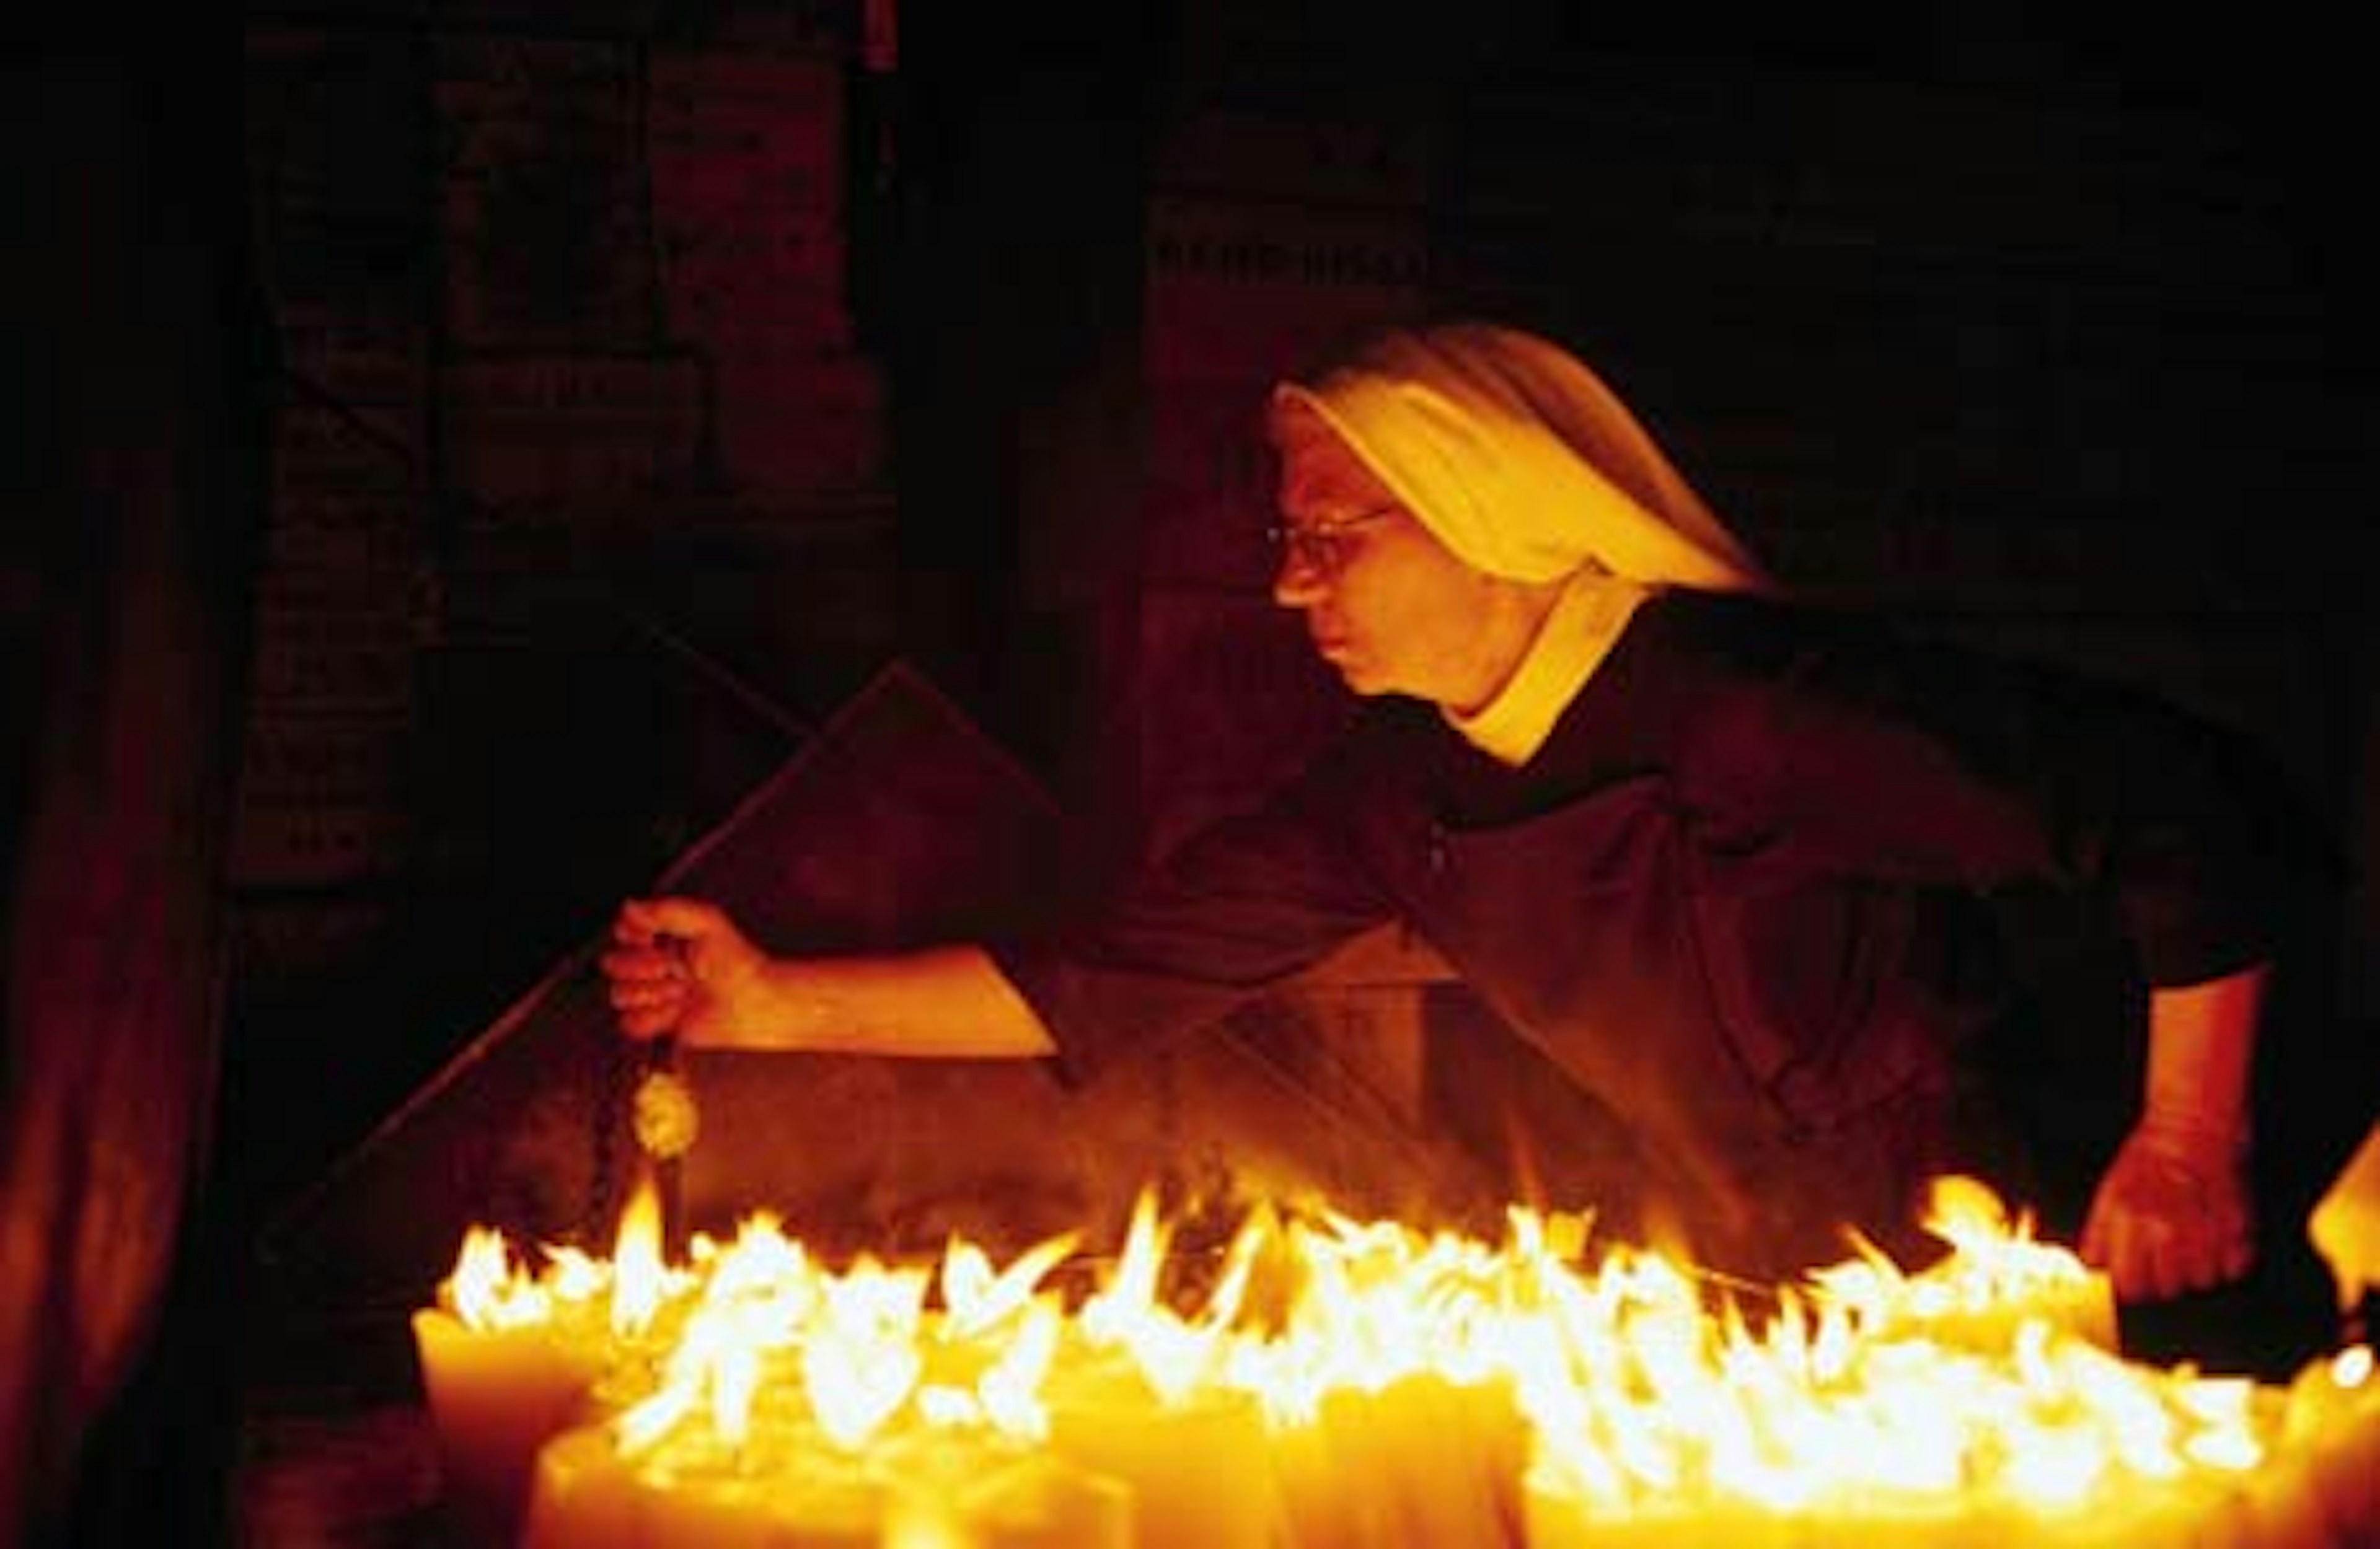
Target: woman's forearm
{"points": [[939, 1002]]}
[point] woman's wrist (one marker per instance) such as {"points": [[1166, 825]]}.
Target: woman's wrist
{"points": [[794, 1012]]}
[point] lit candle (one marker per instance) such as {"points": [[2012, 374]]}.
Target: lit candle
{"points": [[1556, 1514], [2284, 1505], [583, 1494], [1199, 1471], [795, 1490], [1935, 1520], [1422, 1459], [952, 1489], [2330, 1437], [588, 1494], [495, 1395], [2149, 1514], [509, 1358], [1998, 1280]]}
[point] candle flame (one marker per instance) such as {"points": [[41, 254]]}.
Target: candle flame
{"points": [[1631, 1384], [639, 1276]]}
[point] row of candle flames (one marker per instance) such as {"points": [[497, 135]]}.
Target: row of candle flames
{"points": [[1336, 1381]]}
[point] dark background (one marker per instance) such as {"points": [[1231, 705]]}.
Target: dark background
{"points": [[2037, 329], [631, 382]]}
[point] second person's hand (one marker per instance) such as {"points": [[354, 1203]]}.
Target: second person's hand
{"points": [[2172, 1214]]}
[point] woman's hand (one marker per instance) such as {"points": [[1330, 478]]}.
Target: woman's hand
{"points": [[681, 965]]}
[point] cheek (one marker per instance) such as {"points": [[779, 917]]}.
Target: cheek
{"points": [[1411, 605], [1392, 631]]}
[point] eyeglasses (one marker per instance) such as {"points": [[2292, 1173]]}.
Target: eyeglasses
{"points": [[1320, 547]]}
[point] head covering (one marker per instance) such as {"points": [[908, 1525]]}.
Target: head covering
{"points": [[1521, 461]]}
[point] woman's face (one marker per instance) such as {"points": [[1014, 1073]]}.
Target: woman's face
{"points": [[1386, 603]]}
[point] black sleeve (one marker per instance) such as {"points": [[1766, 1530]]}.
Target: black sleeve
{"points": [[1913, 760], [1238, 907]]}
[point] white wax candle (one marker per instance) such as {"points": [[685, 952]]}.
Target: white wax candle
{"points": [[2285, 1508], [2133, 1513], [583, 1496], [1943, 1519], [2330, 1431], [1554, 1516], [1200, 1475], [1419, 1460], [950, 1490], [913, 1490], [495, 1395], [588, 1495], [2083, 1308]]}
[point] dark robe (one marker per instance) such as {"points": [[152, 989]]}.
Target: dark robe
{"points": [[1774, 891]]}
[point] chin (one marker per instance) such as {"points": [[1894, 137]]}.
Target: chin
{"points": [[1363, 677], [1351, 673]]}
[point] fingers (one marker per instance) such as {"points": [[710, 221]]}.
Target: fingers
{"points": [[2115, 1243], [2157, 1266], [647, 1025], [2153, 1246], [635, 990], [632, 924], [643, 969], [656, 966], [676, 964], [2098, 1244], [646, 968], [646, 1000], [642, 921]]}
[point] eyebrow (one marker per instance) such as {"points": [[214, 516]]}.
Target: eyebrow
{"points": [[1358, 517], [1329, 519]]}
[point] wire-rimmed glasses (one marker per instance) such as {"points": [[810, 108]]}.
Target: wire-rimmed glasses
{"points": [[1320, 546]]}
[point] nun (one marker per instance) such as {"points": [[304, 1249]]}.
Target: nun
{"points": [[1741, 868]]}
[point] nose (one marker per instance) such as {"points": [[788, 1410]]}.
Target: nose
{"points": [[1299, 581]]}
